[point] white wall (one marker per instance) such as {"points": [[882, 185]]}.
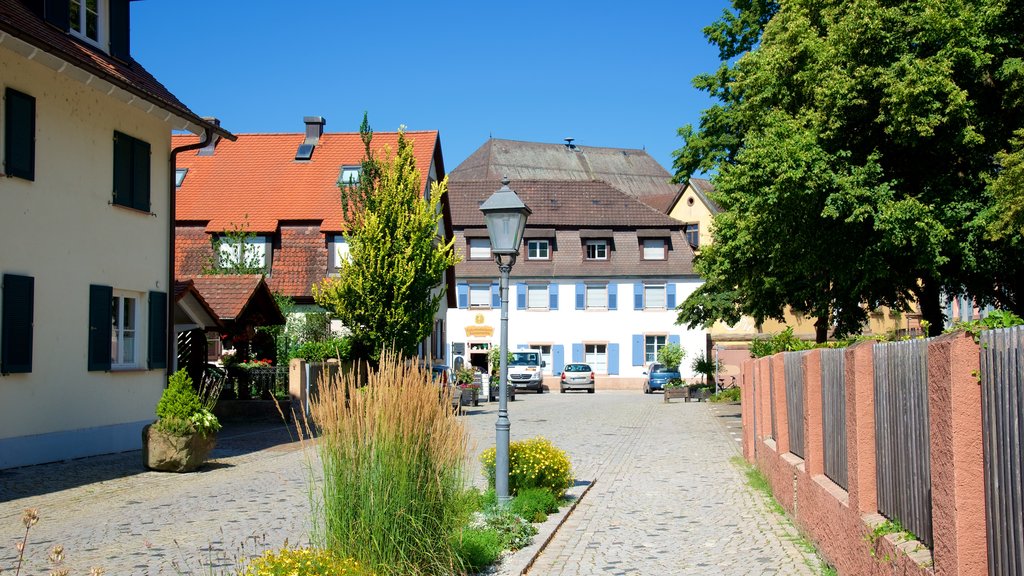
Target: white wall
{"points": [[62, 230]]}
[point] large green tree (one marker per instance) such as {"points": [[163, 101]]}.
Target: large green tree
{"points": [[390, 288], [859, 146]]}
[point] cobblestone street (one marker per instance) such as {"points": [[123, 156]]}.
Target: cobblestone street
{"points": [[666, 499]]}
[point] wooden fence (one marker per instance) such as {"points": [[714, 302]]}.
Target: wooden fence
{"points": [[1002, 402], [833, 415], [794, 369], [902, 437]]}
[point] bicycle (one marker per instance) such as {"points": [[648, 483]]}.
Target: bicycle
{"points": [[723, 386]]}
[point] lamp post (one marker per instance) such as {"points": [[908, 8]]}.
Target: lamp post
{"points": [[505, 215]]}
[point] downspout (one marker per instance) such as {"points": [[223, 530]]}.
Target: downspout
{"points": [[172, 337]]}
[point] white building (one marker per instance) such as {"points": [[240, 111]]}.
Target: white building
{"points": [[597, 280]]}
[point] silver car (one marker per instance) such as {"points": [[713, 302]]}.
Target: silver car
{"points": [[577, 377]]}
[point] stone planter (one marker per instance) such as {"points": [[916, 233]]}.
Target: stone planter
{"points": [[470, 396], [698, 394], [167, 453]]}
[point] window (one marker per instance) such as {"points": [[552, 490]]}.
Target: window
{"points": [[693, 235], [537, 296], [479, 248], [597, 249], [597, 356], [131, 172], [545, 354], [349, 175], [654, 296], [84, 19], [479, 296], [19, 135], [654, 249], [338, 251], [249, 255], [651, 346], [597, 296], [538, 250], [124, 325], [179, 176]]}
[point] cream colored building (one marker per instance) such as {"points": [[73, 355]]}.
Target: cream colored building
{"points": [[85, 225]]}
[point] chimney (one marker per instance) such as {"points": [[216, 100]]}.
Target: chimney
{"points": [[569, 145], [314, 130], [209, 148]]}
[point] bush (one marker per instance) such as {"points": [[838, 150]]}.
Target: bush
{"points": [[320, 351], [533, 463], [478, 547], [784, 341], [727, 395], [671, 355], [391, 494], [181, 411], [303, 562], [534, 504]]}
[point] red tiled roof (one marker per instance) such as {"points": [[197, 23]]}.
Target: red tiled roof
{"points": [[229, 295], [257, 181], [20, 22], [299, 262], [183, 287]]}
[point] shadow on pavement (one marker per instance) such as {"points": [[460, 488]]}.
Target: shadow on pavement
{"points": [[235, 439]]}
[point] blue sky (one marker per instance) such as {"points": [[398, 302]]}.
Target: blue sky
{"points": [[607, 74]]}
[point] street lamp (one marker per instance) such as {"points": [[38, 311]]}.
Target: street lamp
{"points": [[505, 215]]}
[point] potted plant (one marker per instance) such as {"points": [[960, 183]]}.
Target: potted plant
{"points": [[184, 433], [470, 390]]}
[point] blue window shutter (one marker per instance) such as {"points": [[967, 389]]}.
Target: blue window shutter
{"points": [[581, 296], [613, 358], [463, 289], [521, 296], [673, 339], [670, 295], [613, 296], [157, 357], [18, 309], [638, 296], [638, 349], [99, 327], [495, 295], [557, 359], [553, 296], [577, 352]]}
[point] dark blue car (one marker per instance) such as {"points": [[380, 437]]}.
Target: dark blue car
{"points": [[657, 375]]}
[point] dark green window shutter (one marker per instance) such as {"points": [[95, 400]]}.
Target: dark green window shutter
{"points": [[140, 175], [122, 169], [100, 298], [19, 134], [57, 12], [16, 324], [120, 46], [157, 330]]}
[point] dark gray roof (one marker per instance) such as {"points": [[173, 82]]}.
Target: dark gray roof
{"points": [[632, 171]]}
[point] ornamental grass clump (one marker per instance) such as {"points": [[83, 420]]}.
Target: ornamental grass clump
{"points": [[533, 463], [182, 411], [392, 453]]}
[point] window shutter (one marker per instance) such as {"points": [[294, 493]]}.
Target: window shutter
{"points": [[120, 36], [673, 339], [557, 358], [577, 352], [638, 296], [157, 356], [57, 12], [16, 324], [670, 295], [122, 169], [99, 327], [553, 296], [521, 296], [581, 298], [140, 175], [613, 358], [463, 294], [638, 349], [19, 134], [613, 296]]}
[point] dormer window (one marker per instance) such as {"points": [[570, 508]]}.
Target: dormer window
{"points": [[654, 249], [349, 175], [85, 20], [597, 249], [179, 176], [538, 250]]}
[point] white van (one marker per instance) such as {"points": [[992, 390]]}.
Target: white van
{"points": [[526, 369]]}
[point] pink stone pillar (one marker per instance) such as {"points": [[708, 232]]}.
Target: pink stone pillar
{"points": [[958, 476], [297, 387], [777, 368], [748, 407], [860, 428]]}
